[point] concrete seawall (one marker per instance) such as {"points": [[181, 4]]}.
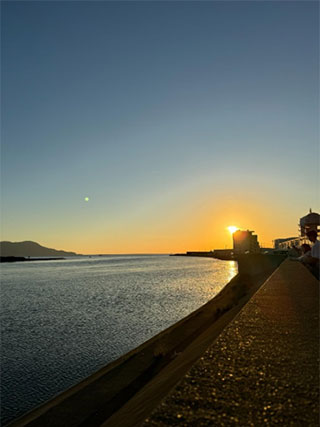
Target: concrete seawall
{"points": [[166, 357], [262, 370], [256, 263]]}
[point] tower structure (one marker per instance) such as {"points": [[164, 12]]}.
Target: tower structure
{"points": [[309, 222]]}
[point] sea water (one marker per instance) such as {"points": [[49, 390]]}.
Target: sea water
{"points": [[63, 320]]}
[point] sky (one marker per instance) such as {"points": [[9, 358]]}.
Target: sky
{"points": [[150, 127]]}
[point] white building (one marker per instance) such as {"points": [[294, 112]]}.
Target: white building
{"points": [[311, 221]]}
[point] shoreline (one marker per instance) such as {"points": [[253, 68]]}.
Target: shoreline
{"points": [[22, 259]]}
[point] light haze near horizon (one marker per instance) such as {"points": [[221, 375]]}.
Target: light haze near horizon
{"points": [[152, 126]]}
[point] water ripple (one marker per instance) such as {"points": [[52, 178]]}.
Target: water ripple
{"points": [[63, 320]]}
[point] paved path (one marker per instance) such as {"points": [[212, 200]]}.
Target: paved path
{"points": [[264, 367]]}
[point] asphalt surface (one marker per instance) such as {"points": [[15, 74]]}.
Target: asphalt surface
{"points": [[264, 367]]}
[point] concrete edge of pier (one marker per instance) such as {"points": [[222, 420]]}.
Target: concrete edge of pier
{"points": [[99, 397], [263, 369]]}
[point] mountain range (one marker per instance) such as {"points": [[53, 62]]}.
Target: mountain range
{"points": [[29, 248]]}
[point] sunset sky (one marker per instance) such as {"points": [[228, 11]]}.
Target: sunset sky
{"points": [[137, 127]]}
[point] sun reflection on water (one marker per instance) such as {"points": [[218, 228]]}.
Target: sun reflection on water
{"points": [[233, 269]]}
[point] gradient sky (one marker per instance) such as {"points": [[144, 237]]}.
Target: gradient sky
{"points": [[175, 119]]}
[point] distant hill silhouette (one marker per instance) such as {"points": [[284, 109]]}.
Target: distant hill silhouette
{"points": [[32, 249]]}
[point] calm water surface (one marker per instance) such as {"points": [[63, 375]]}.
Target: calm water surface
{"points": [[63, 320]]}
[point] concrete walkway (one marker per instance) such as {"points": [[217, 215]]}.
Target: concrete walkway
{"points": [[264, 367]]}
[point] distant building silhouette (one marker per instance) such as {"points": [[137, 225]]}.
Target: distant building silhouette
{"points": [[311, 221], [278, 243], [245, 242]]}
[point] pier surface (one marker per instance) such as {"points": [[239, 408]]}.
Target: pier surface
{"points": [[264, 367]]}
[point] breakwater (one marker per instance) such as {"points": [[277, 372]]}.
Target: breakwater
{"points": [[97, 398], [21, 259], [223, 254]]}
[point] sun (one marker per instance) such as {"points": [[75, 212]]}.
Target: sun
{"points": [[232, 229]]}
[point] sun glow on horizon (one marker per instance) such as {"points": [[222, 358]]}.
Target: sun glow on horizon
{"points": [[232, 228]]}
